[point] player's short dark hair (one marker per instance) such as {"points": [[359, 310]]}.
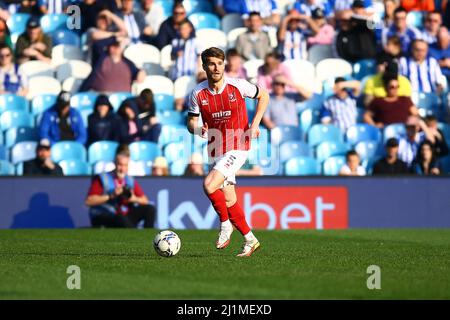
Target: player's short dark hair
{"points": [[212, 52], [351, 153]]}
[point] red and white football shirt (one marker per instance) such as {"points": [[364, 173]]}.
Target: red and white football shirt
{"points": [[225, 113]]}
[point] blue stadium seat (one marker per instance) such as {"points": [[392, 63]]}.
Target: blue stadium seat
{"points": [[445, 164], [19, 134], [333, 165], [6, 168], [177, 168], [53, 21], [10, 101], [13, 119], [75, 167], [363, 68], [3, 152], [65, 37], [140, 168], [103, 166], [427, 103], [144, 151], [164, 101], [204, 20], [282, 134], [308, 118], [250, 104], [17, 22], [41, 103], [362, 132], [415, 19], [85, 112], [291, 149], [315, 102], [193, 6], [117, 98], [83, 100], [319, 133], [369, 149], [102, 151], [171, 117], [445, 128], [301, 166], [19, 169], [177, 151], [329, 149], [394, 130], [173, 133], [167, 6], [68, 150], [23, 151]]}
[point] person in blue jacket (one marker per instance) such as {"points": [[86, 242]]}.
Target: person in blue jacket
{"points": [[61, 122]]}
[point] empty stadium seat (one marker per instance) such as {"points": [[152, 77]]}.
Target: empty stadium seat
{"points": [[332, 68], [193, 6], [75, 167], [141, 53], [415, 19], [166, 5], [117, 98], [183, 86], [319, 52], [233, 35], [164, 101], [166, 57], [140, 168], [208, 37], [282, 134], [64, 52], [53, 21], [9, 101], [68, 150], [173, 133], [394, 130], [102, 151], [65, 37], [204, 20], [177, 151], [103, 166], [17, 22], [144, 151], [171, 117], [85, 112], [83, 100], [307, 75], [158, 84], [42, 102], [364, 68], [43, 85], [328, 149], [13, 119], [319, 133], [362, 132], [231, 21], [23, 151], [36, 68], [427, 103], [299, 166], [369, 149], [19, 134], [72, 85], [291, 149], [74, 68], [178, 167], [153, 69], [315, 102], [333, 165], [252, 66], [3, 152], [445, 128], [6, 168]]}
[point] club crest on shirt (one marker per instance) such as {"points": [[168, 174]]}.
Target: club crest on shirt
{"points": [[204, 102], [232, 97]]}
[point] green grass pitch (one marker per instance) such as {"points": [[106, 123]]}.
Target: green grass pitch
{"points": [[122, 264]]}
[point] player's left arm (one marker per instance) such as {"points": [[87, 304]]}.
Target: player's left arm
{"points": [[261, 106]]}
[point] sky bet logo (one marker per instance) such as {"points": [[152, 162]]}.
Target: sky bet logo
{"points": [[285, 208], [221, 114]]}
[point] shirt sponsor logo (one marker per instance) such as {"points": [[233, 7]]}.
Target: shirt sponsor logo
{"points": [[221, 114]]}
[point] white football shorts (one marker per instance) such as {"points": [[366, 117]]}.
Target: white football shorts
{"points": [[230, 163]]}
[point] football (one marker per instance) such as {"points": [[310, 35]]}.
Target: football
{"points": [[167, 243]]}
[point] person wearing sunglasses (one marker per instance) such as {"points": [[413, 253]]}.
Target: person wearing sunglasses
{"points": [[433, 22], [12, 79]]}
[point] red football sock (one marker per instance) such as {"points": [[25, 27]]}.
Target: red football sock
{"points": [[217, 199], [237, 217]]}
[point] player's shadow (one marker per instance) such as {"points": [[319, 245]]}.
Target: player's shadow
{"points": [[40, 214]]}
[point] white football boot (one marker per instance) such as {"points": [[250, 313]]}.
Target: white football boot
{"points": [[249, 247], [224, 237]]}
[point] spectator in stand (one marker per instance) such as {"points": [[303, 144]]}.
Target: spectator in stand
{"points": [[392, 51], [160, 167], [54, 6], [12, 79], [5, 36], [113, 72], [33, 44], [255, 43], [223, 7], [446, 11], [440, 145], [130, 127], [352, 165], [134, 21], [306, 7], [170, 27], [42, 164], [441, 51], [186, 51], [89, 10], [146, 113], [195, 167], [433, 21], [400, 28], [61, 122], [340, 109], [282, 109], [426, 161], [389, 9], [117, 200], [416, 133], [268, 10], [390, 109], [391, 164], [321, 32], [31, 7], [271, 68], [423, 71], [154, 17], [291, 40], [417, 5], [375, 86], [361, 8], [103, 122], [234, 67]]}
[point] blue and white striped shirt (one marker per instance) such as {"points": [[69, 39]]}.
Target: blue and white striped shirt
{"points": [[343, 112], [132, 28], [406, 38], [430, 39], [294, 46], [407, 150], [265, 7], [186, 64], [424, 77], [306, 8]]}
